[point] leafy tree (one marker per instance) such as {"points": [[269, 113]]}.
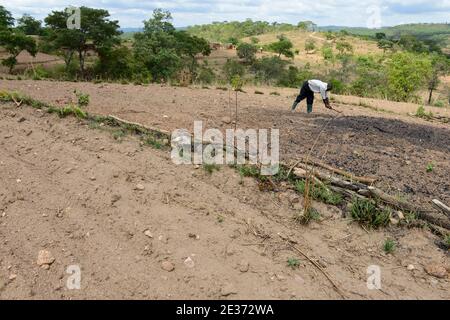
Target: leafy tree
{"points": [[406, 73], [29, 25], [191, 46], [310, 45], [269, 69], [6, 19], [163, 50], [247, 52], [97, 33], [440, 66], [14, 43], [380, 35], [283, 47], [385, 45]]}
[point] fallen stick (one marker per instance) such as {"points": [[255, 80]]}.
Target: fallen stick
{"points": [[315, 264], [18, 104], [141, 127], [365, 180], [441, 206], [332, 179], [405, 206]]}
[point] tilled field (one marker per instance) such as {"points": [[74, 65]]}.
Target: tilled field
{"points": [[141, 227]]}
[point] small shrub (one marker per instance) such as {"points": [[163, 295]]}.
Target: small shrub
{"points": [[389, 246], [367, 213], [82, 99], [421, 113], [151, 141], [293, 263], [439, 104], [275, 93], [119, 134], [430, 167], [447, 241]]}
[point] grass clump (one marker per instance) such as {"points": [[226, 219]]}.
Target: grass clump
{"points": [[421, 113], [210, 168], [275, 93], [389, 246], [293, 263], [430, 167], [367, 213], [82, 99], [151, 141], [307, 216], [320, 192]]}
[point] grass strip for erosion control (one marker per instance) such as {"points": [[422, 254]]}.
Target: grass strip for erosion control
{"points": [[150, 136]]}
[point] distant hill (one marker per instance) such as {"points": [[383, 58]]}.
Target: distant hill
{"points": [[439, 32]]}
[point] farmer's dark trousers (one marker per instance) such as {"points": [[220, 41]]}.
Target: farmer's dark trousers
{"points": [[305, 93]]}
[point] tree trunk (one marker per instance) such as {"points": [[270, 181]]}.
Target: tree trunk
{"points": [[430, 96]]}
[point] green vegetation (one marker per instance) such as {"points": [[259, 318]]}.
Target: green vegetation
{"points": [[421, 113], [305, 218], [293, 263], [320, 192], [430, 167], [413, 59], [210, 168], [389, 246], [14, 41], [231, 32], [367, 213]]}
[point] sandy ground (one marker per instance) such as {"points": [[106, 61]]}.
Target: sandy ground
{"points": [[73, 191]]}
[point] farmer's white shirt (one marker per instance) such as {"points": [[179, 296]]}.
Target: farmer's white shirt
{"points": [[318, 86]]}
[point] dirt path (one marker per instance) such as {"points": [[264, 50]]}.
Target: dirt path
{"points": [[89, 199]]}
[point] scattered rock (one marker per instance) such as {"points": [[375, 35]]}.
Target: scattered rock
{"points": [[70, 170], [189, 263], [21, 119], [226, 120], [93, 178], [115, 198], [437, 271], [139, 187], [227, 290], [411, 267], [167, 266], [12, 277], [244, 266], [45, 258], [148, 233]]}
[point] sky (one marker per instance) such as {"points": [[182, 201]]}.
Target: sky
{"points": [[353, 13]]}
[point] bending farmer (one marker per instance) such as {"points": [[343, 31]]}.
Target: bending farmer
{"points": [[307, 92]]}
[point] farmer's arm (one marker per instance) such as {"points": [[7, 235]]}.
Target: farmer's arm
{"points": [[327, 103]]}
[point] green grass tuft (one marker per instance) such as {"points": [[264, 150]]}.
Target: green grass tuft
{"points": [[367, 213]]}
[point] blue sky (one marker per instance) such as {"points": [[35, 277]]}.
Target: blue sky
{"points": [[131, 13]]}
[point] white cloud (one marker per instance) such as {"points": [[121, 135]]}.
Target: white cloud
{"points": [[131, 13]]}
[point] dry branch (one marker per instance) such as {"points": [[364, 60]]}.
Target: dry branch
{"points": [[441, 206], [352, 177], [402, 205], [354, 186]]}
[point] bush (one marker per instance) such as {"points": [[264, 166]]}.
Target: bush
{"points": [[206, 75], [320, 192], [269, 69], [233, 68], [247, 52]]}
